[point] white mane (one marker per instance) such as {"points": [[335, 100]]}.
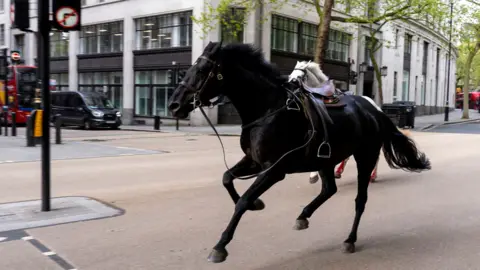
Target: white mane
{"points": [[309, 73]]}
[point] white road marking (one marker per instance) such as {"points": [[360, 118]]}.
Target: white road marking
{"points": [[3, 238], [49, 253], [27, 238]]}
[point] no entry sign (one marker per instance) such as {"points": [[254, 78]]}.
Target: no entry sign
{"points": [[67, 15]]}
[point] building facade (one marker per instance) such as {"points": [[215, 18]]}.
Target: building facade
{"points": [[135, 51]]}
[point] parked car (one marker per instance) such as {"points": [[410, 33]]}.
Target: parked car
{"points": [[473, 98], [85, 109]]}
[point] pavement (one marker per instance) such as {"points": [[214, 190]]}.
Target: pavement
{"points": [[175, 208], [421, 123]]}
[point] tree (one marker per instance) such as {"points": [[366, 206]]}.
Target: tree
{"points": [[376, 16]]}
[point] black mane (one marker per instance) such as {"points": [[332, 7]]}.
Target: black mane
{"points": [[251, 58]]}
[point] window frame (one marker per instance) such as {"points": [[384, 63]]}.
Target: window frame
{"points": [[96, 33], [111, 86]]}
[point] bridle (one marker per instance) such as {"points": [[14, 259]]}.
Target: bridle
{"points": [[197, 103]]}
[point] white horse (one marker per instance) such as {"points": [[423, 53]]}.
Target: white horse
{"points": [[311, 75]]}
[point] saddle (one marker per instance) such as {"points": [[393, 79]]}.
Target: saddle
{"points": [[317, 102]]}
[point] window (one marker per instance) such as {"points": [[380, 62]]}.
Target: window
{"points": [[61, 80], [2, 34], [58, 44], [396, 38], [425, 57], [338, 46], [405, 85], [102, 38], [153, 89], [308, 38], [394, 86], [20, 42], [290, 35], [110, 83], [408, 44], [2, 5], [368, 43], [284, 34], [84, 2], [164, 31], [233, 31]]}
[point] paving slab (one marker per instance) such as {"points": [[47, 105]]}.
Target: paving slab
{"points": [[15, 150], [28, 214]]}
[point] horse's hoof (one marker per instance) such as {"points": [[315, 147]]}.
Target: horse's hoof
{"points": [[314, 179], [257, 205], [217, 256], [338, 175], [348, 248], [301, 224]]}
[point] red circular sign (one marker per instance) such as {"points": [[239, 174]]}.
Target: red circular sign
{"points": [[16, 56]]}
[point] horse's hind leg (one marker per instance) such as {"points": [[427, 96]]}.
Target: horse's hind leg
{"points": [[244, 167], [365, 164], [329, 188]]}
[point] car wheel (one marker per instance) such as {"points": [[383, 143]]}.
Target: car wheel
{"points": [[87, 125]]}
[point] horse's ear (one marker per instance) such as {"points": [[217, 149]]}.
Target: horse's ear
{"points": [[208, 47]]}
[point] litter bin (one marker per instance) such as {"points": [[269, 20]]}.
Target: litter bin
{"points": [[394, 112], [410, 110]]}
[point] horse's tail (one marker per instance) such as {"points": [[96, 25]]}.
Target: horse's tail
{"points": [[400, 151]]}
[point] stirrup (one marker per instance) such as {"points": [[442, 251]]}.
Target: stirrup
{"points": [[289, 102], [327, 145]]}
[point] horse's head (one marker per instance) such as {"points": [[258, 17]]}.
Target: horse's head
{"points": [[200, 84], [308, 73]]}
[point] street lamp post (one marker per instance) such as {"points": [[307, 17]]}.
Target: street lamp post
{"points": [[447, 109]]}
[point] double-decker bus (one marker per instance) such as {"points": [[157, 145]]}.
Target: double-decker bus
{"points": [[21, 84]]}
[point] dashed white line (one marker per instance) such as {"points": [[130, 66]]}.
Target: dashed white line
{"points": [[27, 238], [3, 238]]}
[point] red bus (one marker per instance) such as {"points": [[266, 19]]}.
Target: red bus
{"points": [[22, 81]]}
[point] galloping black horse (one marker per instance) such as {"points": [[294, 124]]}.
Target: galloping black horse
{"points": [[270, 130]]}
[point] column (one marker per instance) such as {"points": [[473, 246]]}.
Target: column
{"points": [[30, 49], [128, 73], [73, 42]]}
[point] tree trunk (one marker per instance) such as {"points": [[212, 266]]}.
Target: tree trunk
{"points": [[378, 76], [322, 32]]}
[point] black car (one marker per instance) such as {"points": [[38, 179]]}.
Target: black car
{"points": [[85, 109]]}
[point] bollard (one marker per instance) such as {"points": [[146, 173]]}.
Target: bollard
{"points": [[58, 129], [156, 124], [14, 124], [29, 131], [5, 120], [177, 124]]}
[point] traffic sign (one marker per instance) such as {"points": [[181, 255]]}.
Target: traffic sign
{"points": [[15, 55], [67, 15]]}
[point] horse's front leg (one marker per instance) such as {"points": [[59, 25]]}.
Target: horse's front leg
{"points": [[329, 188], [246, 166], [261, 184]]}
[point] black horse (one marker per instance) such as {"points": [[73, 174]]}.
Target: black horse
{"points": [[270, 130]]}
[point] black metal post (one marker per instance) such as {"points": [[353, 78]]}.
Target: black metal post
{"points": [[447, 98], [44, 71], [58, 129], [156, 123], [14, 124], [29, 131], [5, 120], [176, 123]]}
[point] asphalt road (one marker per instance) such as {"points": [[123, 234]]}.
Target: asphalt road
{"points": [[465, 128], [176, 209]]}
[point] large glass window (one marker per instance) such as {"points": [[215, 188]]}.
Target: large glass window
{"points": [[58, 44], [61, 80], [109, 83], [233, 28], [406, 85], [164, 31], [153, 89], [284, 34], [290, 35], [102, 38]]}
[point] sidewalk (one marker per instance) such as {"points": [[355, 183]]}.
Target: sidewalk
{"points": [[421, 123]]}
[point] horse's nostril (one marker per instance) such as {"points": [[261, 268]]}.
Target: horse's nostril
{"points": [[174, 106]]}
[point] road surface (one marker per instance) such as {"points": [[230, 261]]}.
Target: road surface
{"points": [[176, 208]]}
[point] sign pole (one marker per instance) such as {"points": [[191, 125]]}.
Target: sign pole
{"points": [[44, 72]]}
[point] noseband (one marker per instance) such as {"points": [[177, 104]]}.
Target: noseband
{"points": [[196, 98]]}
